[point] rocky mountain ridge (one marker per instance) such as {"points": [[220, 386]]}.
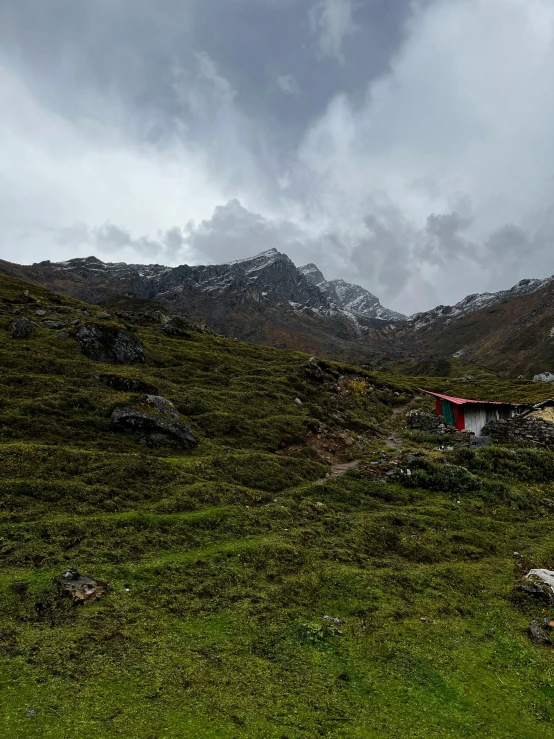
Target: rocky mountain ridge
{"points": [[266, 299]]}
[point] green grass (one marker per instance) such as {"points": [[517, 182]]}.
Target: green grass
{"points": [[223, 561]]}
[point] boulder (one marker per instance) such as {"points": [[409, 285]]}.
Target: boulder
{"points": [[538, 634], [81, 588], [159, 428], [57, 325], [540, 584], [112, 345], [313, 370], [544, 377], [22, 328]]}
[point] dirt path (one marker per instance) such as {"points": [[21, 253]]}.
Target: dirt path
{"points": [[394, 441], [337, 470]]}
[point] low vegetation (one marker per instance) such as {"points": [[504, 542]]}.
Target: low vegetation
{"points": [[223, 562]]}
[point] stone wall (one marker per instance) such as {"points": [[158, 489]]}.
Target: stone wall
{"points": [[528, 431], [433, 424]]}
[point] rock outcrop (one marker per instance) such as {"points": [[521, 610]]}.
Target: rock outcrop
{"points": [[22, 328], [111, 345], [158, 423]]}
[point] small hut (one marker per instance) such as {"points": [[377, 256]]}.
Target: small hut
{"points": [[471, 415]]}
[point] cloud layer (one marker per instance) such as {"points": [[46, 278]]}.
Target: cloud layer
{"points": [[404, 146]]}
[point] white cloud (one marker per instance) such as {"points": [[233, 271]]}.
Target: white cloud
{"points": [[289, 84], [332, 21], [462, 121]]}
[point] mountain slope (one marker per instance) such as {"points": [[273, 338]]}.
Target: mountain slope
{"points": [[264, 299], [352, 299], [267, 300], [513, 334], [247, 593]]}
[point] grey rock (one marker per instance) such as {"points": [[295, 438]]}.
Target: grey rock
{"points": [[63, 335], [158, 429], [313, 370], [333, 620], [103, 315], [112, 345], [40, 313], [22, 328], [54, 324], [164, 406], [537, 634], [81, 588], [544, 377]]}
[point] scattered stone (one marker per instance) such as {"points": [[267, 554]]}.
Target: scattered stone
{"points": [[40, 313], [298, 401], [27, 298], [333, 620], [126, 385], [103, 315], [540, 584], [313, 370], [158, 428], [31, 712], [54, 324], [112, 345], [538, 634], [81, 588], [63, 335], [544, 578], [22, 328]]}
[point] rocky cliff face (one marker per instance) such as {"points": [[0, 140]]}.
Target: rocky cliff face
{"points": [[263, 299], [266, 299], [353, 299]]}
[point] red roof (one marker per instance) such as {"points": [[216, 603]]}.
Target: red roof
{"points": [[463, 401]]}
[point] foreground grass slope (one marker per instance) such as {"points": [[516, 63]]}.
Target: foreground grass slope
{"points": [[223, 561]]}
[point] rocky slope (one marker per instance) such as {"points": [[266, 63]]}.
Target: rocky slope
{"points": [[264, 299], [475, 302], [352, 299]]}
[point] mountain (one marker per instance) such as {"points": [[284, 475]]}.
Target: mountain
{"points": [[475, 302], [511, 333], [352, 299], [266, 299], [262, 299]]}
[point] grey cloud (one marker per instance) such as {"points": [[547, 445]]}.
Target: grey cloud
{"points": [[443, 242], [332, 21], [289, 84], [152, 114]]}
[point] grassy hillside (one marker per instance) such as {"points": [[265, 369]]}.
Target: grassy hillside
{"points": [[223, 561]]}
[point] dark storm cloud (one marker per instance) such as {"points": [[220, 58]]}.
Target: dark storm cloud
{"points": [[363, 135]]}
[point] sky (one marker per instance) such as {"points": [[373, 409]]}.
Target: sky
{"points": [[404, 145]]}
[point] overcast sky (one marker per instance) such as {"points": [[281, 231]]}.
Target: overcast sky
{"points": [[406, 146]]}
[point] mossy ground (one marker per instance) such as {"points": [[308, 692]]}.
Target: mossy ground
{"points": [[222, 562]]}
